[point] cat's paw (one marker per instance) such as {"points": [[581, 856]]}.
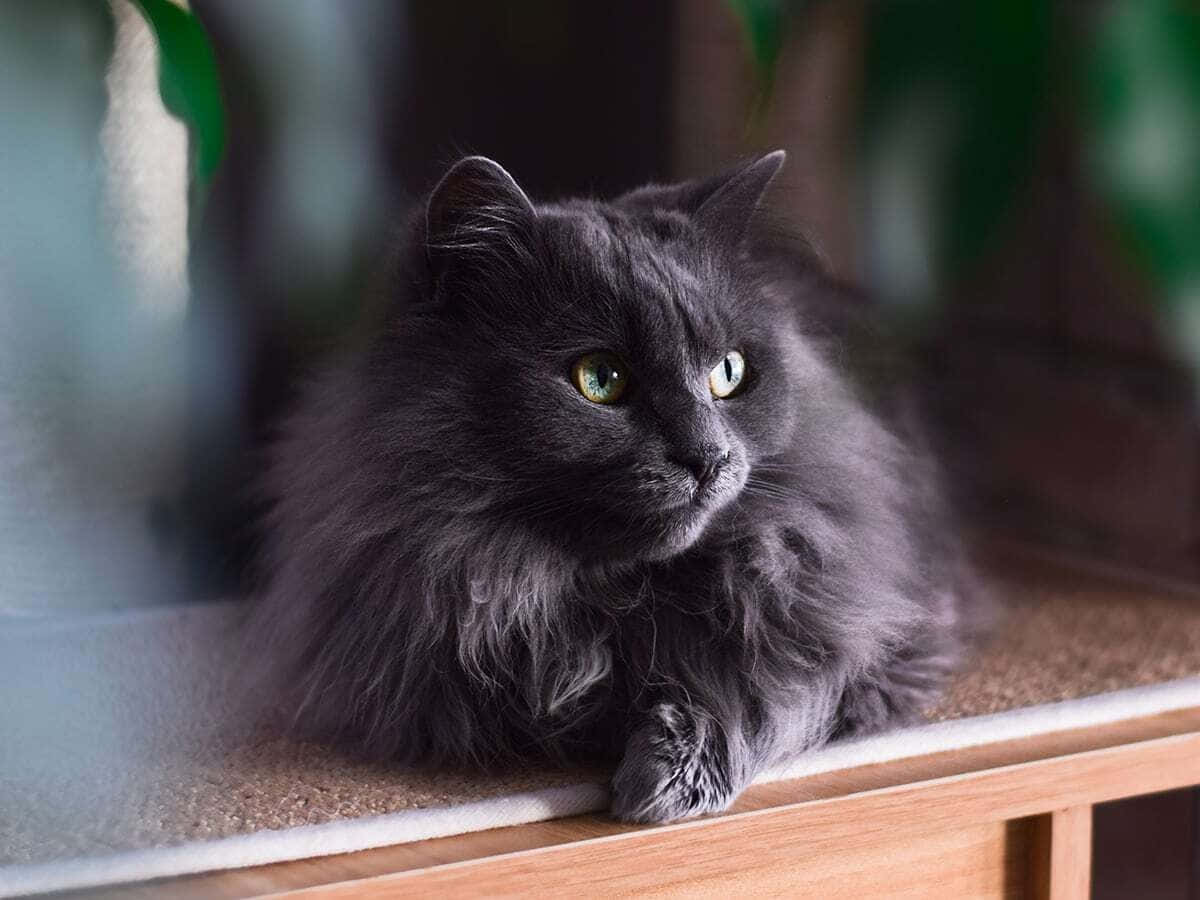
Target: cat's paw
{"points": [[673, 768]]}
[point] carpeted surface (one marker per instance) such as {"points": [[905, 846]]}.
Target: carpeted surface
{"points": [[1063, 634], [133, 732]]}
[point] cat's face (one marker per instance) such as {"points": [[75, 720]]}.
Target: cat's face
{"points": [[607, 375]]}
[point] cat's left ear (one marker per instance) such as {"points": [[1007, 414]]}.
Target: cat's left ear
{"points": [[727, 203], [477, 204]]}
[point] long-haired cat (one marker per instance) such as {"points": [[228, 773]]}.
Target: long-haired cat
{"points": [[598, 482]]}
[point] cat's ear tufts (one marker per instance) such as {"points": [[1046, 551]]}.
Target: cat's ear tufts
{"points": [[475, 203], [731, 200]]}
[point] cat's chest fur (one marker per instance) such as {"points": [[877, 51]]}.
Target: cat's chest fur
{"points": [[737, 606]]}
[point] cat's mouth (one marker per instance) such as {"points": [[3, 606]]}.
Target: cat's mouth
{"points": [[653, 516], [719, 491], [674, 490], [713, 493], [684, 518]]}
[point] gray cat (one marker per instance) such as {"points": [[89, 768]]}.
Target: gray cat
{"points": [[607, 479]]}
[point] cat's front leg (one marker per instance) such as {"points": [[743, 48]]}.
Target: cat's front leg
{"points": [[681, 760], [678, 762]]}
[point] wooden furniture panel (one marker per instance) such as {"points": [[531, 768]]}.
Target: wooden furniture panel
{"points": [[715, 851], [987, 860], [1001, 819], [1061, 860]]}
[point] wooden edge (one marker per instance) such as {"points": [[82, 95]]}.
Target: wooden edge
{"points": [[1062, 855], [496, 844], [741, 843]]}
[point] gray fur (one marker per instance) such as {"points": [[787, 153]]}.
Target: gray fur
{"points": [[466, 562]]}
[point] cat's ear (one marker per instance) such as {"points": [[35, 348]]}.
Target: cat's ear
{"points": [[477, 204], [728, 202]]}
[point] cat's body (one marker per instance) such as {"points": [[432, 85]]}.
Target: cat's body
{"points": [[470, 562]]}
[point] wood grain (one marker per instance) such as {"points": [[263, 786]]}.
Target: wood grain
{"points": [[752, 848], [920, 776], [984, 860], [1061, 863]]}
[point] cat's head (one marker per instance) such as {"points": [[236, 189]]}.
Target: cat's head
{"points": [[606, 374]]}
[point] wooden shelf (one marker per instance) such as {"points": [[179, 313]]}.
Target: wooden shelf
{"points": [[1007, 819]]}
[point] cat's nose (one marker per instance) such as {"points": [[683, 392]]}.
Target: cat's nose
{"points": [[703, 462]]}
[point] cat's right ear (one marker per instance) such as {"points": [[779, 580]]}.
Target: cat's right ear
{"points": [[728, 202], [476, 208]]}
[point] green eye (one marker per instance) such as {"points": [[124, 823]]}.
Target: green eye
{"points": [[601, 377], [727, 376]]}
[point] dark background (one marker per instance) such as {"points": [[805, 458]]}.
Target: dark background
{"points": [[1068, 419]]}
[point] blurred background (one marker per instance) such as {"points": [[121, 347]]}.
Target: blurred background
{"points": [[192, 202]]}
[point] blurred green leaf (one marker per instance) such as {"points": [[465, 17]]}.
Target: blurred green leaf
{"points": [[1142, 127], [762, 23], [978, 76], [189, 83]]}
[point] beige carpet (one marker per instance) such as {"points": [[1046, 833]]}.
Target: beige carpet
{"points": [[129, 733], [1065, 633]]}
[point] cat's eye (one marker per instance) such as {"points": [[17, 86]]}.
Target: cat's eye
{"points": [[600, 377], [728, 375]]}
